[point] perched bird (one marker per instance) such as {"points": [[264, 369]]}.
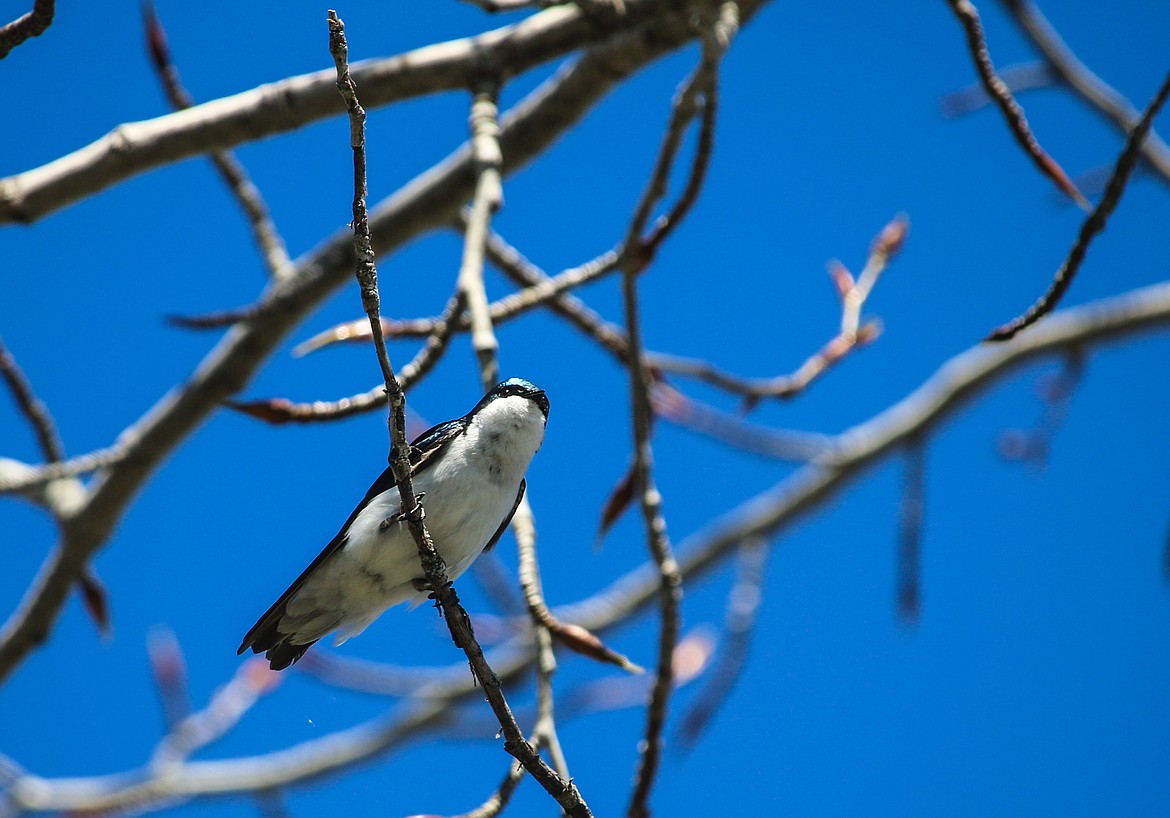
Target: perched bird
{"points": [[469, 473]]}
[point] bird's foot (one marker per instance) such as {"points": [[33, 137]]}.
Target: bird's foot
{"points": [[395, 519]]}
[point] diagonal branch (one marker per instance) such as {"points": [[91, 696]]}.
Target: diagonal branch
{"points": [[279, 107], [1093, 224], [955, 384], [247, 196], [32, 407], [428, 202], [1084, 83], [1013, 114], [459, 623], [33, 24]]}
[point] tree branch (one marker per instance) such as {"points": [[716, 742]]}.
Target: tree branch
{"points": [[1093, 224], [1100, 96], [956, 383], [1013, 114], [33, 24], [430, 201]]}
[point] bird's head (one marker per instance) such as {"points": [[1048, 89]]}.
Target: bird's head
{"points": [[516, 387]]}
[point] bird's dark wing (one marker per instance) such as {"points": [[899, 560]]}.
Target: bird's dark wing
{"points": [[265, 636], [504, 525], [431, 443]]}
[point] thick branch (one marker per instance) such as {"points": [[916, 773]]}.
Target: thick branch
{"points": [[954, 384], [278, 107], [430, 201]]}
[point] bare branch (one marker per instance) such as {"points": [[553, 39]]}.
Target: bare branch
{"points": [[33, 24], [956, 383], [1093, 224], [796, 447], [430, 201], [215, 320], [484, 124], [1017, 78], [1084, 83], [852, 334], [20, 478], [33, 409], [246, 194], [278, 107], [1013, 114], [458, 622], [190, 734]]}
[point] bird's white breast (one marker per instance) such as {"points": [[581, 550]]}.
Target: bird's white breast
{"points": [[469, 491]]}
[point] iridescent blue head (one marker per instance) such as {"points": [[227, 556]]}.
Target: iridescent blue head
{"points": [[520, 387]]}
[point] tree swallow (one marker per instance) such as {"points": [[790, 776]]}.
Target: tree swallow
{"points": [[470, 474]]}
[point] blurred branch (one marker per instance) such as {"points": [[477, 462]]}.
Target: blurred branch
{"points": [[780, 444], [1056, 389], [33, 24], [228, 705], [484, 124], [1018, 78], [32, 407], [1013, 114], [247, 196], [910, 516], [429, 201], [1100, 96], [956, 383], [743, 604], [1093, 224], [19, 477]]}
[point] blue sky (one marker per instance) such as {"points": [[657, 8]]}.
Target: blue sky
{"points": [[1035, 680]]}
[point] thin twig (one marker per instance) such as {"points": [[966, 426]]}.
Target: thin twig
{"points": [[1013, 114], [658, 542], [247, 195], [1018, 78], [282, 410], [1094, 223], [851, 335], [33, 24], [613, 52], [576, 638], [459, 623], [538, 293], [956, 383], [703, 83], [499, 799], [217, 319], [32, 407], [635, 257], [1084, 83]]}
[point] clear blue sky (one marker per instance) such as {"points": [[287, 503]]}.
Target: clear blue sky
{"points": [[1035, 682]]}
